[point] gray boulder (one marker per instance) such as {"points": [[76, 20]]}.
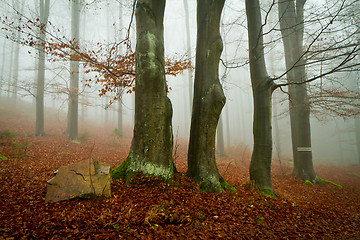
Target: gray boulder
{"points": [[84, 179]]}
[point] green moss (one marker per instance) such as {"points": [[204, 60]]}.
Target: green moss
{"points": [[268, 193], [356, 174], [19, 149], [2, 157], [7, 134], [121, 170], [76, 142], [328, 182], [210, 184], [213, 185], [172, 182], [309, 183], [227, 186]]}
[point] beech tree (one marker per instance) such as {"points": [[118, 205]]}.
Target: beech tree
{"points": [[262, 87], [335, 54], [208, 101], [188, 49], [291, 18], [15, 68], [44, 15], [152, 143], [74, 72]]}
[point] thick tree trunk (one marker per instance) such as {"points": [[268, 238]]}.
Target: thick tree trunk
{"points": [[208, 100], [291, 24], [220, 137], [120, 118], [39, 124], [74, 73], [260, 166], [152, 144], [262, 86]]}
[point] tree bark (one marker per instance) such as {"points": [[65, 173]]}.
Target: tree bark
{"points": [[39, 123], [291, 25], [262, 86], [188, 49], [220, 137], [357, 125], [74, 72], [10, 69], [357, 136], [120, 108], [3, 64], [152, 143], [208, 99], [120, 118], [19, 5]]}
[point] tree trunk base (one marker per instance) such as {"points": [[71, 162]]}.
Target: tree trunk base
{"points": [[213, 184], [264, 191], [41, 134], [133, 164]]}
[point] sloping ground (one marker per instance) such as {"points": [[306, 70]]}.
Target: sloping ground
{"points": [[152, 209]]}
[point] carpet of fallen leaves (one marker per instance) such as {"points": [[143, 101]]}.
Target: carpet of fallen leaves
{"points": [[151, 209]]}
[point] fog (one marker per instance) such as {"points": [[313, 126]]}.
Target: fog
{"points": [[333, 138]]}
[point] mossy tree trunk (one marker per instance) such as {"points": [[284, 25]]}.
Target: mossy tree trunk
{"points": [[152, 143], [292, 29], [39, 125], [208, 99], [262, 86]]}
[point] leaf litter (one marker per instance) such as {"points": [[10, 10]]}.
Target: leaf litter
{"points": [[149, 208]]}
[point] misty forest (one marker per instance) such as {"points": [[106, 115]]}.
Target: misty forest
{"points": [[180, 119]]}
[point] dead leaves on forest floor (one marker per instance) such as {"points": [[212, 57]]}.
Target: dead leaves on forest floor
{"points": [[152, 209]]}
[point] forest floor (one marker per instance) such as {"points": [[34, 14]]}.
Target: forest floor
{"points": [[151, 209]]}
